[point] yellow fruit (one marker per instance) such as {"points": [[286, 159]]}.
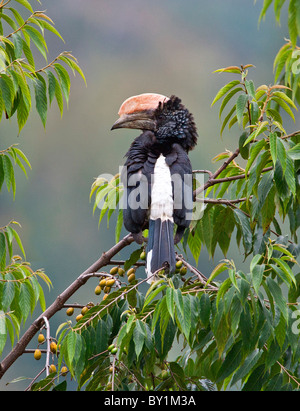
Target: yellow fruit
{"points": [[84, 310], [121, 271], [79, 316], [102, 282], [179, 264], [37, 354], [131, 271], [64, 371], [53, 347], [111, 369], [41, 338], [52, 368], [110, 282], [98, 290], [105, 296], [165, 374], [106, 290], [114, 270], [131, 277], [143, 255], [70, 311]]}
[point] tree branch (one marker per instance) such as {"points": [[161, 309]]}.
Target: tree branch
{"points": [[58, 304], [211, 179]]}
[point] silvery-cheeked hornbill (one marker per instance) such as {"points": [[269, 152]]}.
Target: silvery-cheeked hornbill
{"points": [[158, 174]]}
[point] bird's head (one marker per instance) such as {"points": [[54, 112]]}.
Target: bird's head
{"points": [[166, 117]]}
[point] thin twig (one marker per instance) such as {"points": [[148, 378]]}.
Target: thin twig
{"points": [[47, 326]]}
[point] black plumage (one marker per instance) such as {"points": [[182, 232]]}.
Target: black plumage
{"points": [[172, 133]]}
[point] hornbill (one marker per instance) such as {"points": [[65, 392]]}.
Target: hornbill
{"points": [[158, 175]]}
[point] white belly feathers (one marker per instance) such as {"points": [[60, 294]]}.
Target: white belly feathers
{"points": [[161, 193]]}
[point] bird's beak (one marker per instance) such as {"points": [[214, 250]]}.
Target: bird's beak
{"points": [[141, 121]]}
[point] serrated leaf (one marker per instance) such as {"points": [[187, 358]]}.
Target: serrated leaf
{"points": [[240, 106], [294, 152], [276, 292], [225, 90], [255, 149], [232, 361], [243, 221], [227, 98], [257, 276], [285, 106], [216, 271], [37, 39], [64, 80], [18, 240], [139, 336], [26, 4], [205, 309], [247, 366], [273, 147], [40, 89]]}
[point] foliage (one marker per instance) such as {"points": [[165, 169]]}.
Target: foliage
{"points": [[22, 43], [237, 329]]}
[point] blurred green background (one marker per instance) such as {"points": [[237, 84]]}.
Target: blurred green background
{"points": [[124, 48]]}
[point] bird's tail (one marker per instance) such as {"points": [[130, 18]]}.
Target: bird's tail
{"points": [[160, 249]]}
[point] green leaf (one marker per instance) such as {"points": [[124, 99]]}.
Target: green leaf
{"points": [[292, 22], [38, 40], [262, 126], [228, 98], [244, 150], [7, 89], [286, 269], [8, 173], [231, 363], [25, 300], [225, 90], [285, 106], [255, 149], [266, 5], [40, 89], [290, 175], [205, 309], [247, 366], [64, 80], [3, 331], [243, 221], [273, 147], [240, 106], [281, 154], [153, 294], [139, 335], [2, 246], [26, 4], [170, 302], [216, 271], [257, 276], [18, 240], [276, 292], [294, 152]]}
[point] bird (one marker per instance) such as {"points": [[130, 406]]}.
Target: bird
{"points": [[157, 175]]}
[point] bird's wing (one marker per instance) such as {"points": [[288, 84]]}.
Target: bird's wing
{"points": [[181, 171], [136, 178]]}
